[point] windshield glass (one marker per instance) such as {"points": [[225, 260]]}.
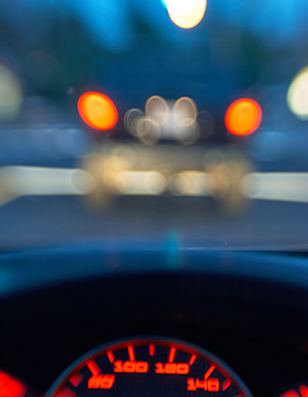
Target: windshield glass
{"points": [[176, 119]]}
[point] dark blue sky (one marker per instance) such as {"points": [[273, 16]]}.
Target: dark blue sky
{"points": [[109, 19]]}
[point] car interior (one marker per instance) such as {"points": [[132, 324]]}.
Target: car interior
{"points": [[153, 193]]}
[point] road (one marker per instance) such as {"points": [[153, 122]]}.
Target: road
{"points": [[38, 221]]}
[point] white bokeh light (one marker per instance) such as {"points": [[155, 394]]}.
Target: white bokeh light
{"points": [[297, 97], [186, 13]]}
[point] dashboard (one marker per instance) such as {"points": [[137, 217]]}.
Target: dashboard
{"points": [[247, 310]]}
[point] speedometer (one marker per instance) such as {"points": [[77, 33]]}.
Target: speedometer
{"points": [[151, 368]]}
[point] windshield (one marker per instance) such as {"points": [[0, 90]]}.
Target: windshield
{"points": [[173, 120]]}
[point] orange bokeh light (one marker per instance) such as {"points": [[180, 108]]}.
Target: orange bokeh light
{"points": [[243, 117], [97, 110]]}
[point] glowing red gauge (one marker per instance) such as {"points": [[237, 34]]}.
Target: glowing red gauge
{"points": [[148, 368], [11, 387], [298, 391]]}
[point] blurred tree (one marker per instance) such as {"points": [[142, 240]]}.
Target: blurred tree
{"points": [[240, 49], [254, 57], [141, 27], [64, 58]]}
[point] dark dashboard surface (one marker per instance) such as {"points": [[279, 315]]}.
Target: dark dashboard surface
{"points": [[249, 309]]}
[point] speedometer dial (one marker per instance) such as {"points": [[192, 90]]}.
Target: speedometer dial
{"points": [[12, 387], [151, 368], [298, 391]]}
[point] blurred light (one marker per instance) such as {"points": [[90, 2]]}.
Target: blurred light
{"points": [[10, 94], [276, 186], [297, 97], [186, 13], [187, 135], [157, 109], [192, 183], [147, 130], [130, 120], [243, 117], [140, 183], [97, 110], [11, 387], [17, 181], [163, 3], [185, 112], [214, 156]]}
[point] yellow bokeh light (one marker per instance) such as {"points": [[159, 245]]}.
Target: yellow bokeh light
{"points": [[147, 130], [192, 183], [10, 94], [157, 109], [185, 112], [186, 13], [140, 183], [297, 97], [130, 120]]}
